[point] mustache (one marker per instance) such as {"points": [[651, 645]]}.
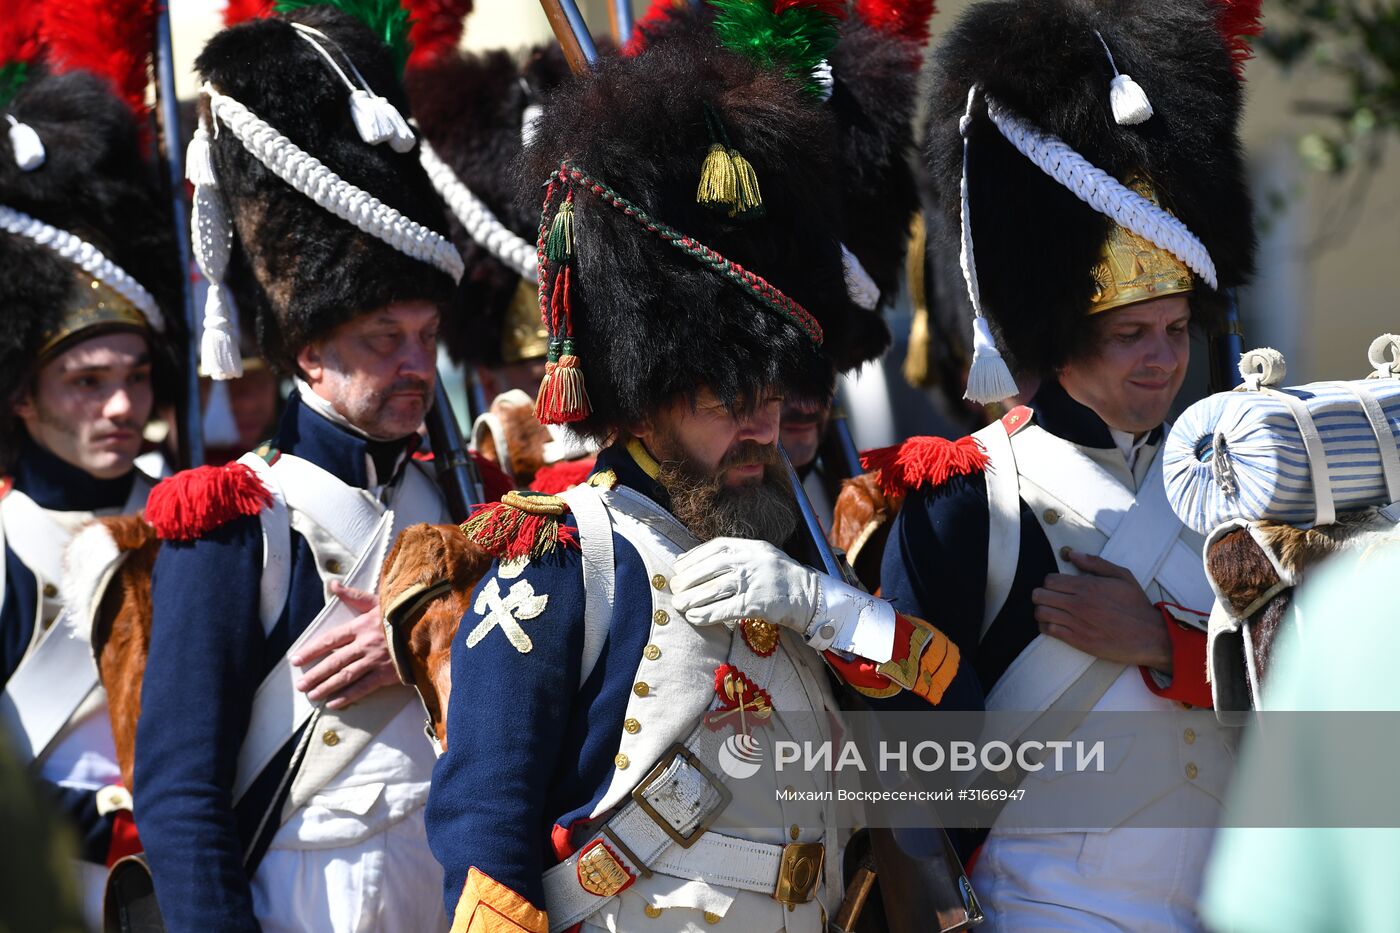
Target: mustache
{"points": [[409, 384], [746, 453]]}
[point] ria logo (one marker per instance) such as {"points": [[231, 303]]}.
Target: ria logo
{"points": [[741, 755]]}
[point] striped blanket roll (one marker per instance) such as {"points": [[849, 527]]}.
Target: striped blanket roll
{"points": [[1241, 454]]}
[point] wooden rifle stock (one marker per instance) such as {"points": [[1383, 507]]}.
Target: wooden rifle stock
{"points": [[572, 33]]}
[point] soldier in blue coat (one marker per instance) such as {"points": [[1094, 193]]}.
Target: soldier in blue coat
{"points": [[281, 769]]}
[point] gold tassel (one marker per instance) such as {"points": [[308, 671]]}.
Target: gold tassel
{"points": [[749, 200], [718, 180]]}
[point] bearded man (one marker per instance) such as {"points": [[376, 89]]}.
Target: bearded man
{"points": [[90, 291], [281, 770], [609, 625]]}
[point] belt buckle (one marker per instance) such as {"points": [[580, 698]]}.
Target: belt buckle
{"points": [[799, 872], [686, 840]]}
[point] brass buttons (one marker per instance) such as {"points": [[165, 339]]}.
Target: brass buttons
{"points": [[712, 918], [333, 565], [632, 726], [651, 652], [794, 832], [652, 911], [660, 617], [50, 591], [1189, 736], [1192, 770], [1064, 552], [331, 737], [622, 761], [641, 688], [1051, 516], [659, 582]]}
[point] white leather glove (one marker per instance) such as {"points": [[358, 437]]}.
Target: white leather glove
{"points": [[729, 579]]}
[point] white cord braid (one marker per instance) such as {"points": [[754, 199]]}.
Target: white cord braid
{"points": [[86, 257], [1103, 192], [311, 177], [480, 223]]}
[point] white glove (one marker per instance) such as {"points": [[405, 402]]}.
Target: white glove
{"points": [[729, 579]]}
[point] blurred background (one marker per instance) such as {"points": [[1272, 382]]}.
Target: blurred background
{"points": [[1320, 128]]}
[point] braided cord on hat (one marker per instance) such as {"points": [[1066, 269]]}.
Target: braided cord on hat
{"points": [[1103, 192], [757, 286], [311, 177], [85, 256], [477, 219]]}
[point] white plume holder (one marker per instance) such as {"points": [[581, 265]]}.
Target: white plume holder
{"points": [[27, 146]]}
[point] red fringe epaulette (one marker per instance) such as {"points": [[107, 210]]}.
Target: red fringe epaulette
{"points": [[922, 461], [522, 524], [194, 502], [562, 476]]}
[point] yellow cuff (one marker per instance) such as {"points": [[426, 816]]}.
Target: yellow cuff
{"points": [[487, 906]]}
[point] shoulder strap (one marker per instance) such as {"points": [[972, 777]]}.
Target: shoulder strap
{"points": [[277, 545], [599, 585], [1003, 512]]}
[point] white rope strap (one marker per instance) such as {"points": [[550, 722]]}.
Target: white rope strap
{"points": [[86, 257], [1103, 192], [311, 177], [477, 219]]}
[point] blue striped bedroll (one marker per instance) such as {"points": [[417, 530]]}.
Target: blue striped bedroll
{"points": [[1266, 456]]}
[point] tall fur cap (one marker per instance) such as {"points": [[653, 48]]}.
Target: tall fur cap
{"points": [[470, 107], [310, 270], [650, 322], [1035, 242], [96, 184]]}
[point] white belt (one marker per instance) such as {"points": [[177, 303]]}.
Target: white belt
{"points": [[664, 828]]}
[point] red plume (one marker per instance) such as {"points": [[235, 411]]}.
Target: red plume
{"points": [[19, 33], [115, 39], [238, 11], [1238, 21], [908, 19], [656, 14], [436, 28]]}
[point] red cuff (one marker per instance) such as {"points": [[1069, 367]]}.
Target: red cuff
{"points": [[124, 839], [1188, 660], [865, 675]]}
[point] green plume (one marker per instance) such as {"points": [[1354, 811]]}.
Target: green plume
{"points": [[387, 19], [794, 41], [12, 78]]}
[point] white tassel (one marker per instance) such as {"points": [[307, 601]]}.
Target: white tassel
{"points": [[529, 122], [823, 78], [28, 147], [989, 379], [219, 356], [199, 161], [1129, 101], [402, 139], [220, 427], [1125, 96], [370, 120], [860, 287]]}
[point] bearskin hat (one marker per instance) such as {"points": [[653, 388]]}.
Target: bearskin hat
{"points": [[472, 109], [93, 183], [310, 270], [650, 309], [1053, 67]]}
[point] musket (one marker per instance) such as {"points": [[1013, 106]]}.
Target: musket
{"points": [[190, 432], [839, 430], [620, 16], [1226, 348], [455, 469]]}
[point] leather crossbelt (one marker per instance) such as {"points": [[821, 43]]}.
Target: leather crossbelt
{"points": [[664, 827]]}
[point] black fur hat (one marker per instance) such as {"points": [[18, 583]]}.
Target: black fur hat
{"points": [[95, 183], [471, 108], [1035, 242], [310, 270], [650, 320]]}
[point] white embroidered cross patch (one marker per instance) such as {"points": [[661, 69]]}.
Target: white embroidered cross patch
{"points": [[519, 604]]}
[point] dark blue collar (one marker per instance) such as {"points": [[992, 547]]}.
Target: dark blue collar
{"points": [[306, 434], [629, 473], [1062, 416], [54, 483]]}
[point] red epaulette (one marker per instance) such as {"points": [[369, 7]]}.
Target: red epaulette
{"points": [[522, 524], [562, 476], [932, 461], [194, 502]]}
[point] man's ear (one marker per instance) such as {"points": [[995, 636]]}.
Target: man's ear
{"points": [[22, 403], [311, 362], [643, 430]]}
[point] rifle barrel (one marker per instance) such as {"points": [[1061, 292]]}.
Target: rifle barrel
{"points": [[572, 32]]}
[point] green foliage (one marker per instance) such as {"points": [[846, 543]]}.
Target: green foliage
{"points": [[12, 78], [1357, 42], [387, 19], [795, 40]]}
